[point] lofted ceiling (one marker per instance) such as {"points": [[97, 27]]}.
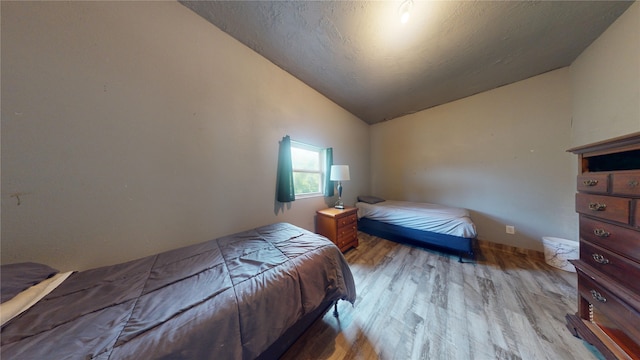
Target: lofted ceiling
{"points": [[359, 54]]}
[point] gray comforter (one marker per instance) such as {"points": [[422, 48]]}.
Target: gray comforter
{"points": [[228, 298]]}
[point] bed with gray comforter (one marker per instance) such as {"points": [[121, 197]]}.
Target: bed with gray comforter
{"points": [[228, 298]]}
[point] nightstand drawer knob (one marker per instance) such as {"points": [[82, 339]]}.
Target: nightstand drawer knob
{"points": [[590, 182], [633, 183], [597, 207], [596, 295], [601, 233], [600, 259]]}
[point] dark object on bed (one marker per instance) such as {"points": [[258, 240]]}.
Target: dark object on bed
{"points": [[230, 298], [461, 246], [20, 276], [370, 199]]}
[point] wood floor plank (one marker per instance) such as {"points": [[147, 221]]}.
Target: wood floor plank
{"points": [[415, 303]]}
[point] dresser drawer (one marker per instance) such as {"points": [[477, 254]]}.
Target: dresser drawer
{"points": [[605, 207], [626, 183], [615, 238], [593, 182], [626, 272], [625, 317]]}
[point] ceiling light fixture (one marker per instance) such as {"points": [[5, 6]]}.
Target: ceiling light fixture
{"points": [[405, 10]]}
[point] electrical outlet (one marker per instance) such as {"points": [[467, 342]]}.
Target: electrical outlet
{"points": [[511, 229]]}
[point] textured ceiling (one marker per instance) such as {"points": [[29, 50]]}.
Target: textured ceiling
{"points": [[358, 54]]}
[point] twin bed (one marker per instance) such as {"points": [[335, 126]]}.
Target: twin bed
{"points": [[423, 224], [243, 296]]}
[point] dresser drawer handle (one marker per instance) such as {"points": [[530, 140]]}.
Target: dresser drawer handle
{"points": [[633, 183], [590, 182], [596, 295], [597, 206], [600, 259], [601, 232]]}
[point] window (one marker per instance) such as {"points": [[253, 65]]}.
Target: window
{"points": [[308, 169]]}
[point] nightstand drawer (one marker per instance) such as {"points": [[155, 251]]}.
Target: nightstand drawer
{"points": [[604, 207], [347, 238], [347, 231], [347, 221]]}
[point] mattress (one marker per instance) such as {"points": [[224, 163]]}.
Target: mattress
{"points": [[420, 216]]}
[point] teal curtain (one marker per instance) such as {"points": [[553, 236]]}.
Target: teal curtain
{"points": [[284, 187], [328, 160]]}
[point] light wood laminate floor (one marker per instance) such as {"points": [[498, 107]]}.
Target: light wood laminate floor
{"points": [[419, 304]]}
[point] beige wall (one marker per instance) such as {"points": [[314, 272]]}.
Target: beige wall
{"points": [[605, 83], [130, 128], [500, 154]]}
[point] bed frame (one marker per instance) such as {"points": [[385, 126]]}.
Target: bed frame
{"points": [[280, 347], [461, 246]]}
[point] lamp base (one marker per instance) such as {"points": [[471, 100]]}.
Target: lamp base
{"points": [[339, 204]]}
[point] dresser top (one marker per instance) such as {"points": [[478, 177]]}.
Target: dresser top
{"points": [[630, 141]]}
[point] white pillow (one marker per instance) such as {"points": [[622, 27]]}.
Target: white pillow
{"points": [[27, 298]]}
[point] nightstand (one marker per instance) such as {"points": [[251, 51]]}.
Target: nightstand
{"points": [[339, 225]]}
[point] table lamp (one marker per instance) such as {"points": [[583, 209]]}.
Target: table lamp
{"points": [[339, 173]]}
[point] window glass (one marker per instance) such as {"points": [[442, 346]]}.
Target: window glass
{"points": [[304, 159], [307, 169]]}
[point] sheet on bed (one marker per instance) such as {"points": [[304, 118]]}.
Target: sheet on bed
{"points": [[228, 298], [420, 216]]}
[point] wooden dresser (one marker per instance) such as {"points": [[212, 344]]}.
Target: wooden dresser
{"points": [[608, 203], [339, 225]]}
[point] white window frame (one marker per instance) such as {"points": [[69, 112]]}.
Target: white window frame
{"points": [[322, 171]]}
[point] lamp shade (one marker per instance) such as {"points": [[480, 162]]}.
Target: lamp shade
{"points": [[339, 173]]}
